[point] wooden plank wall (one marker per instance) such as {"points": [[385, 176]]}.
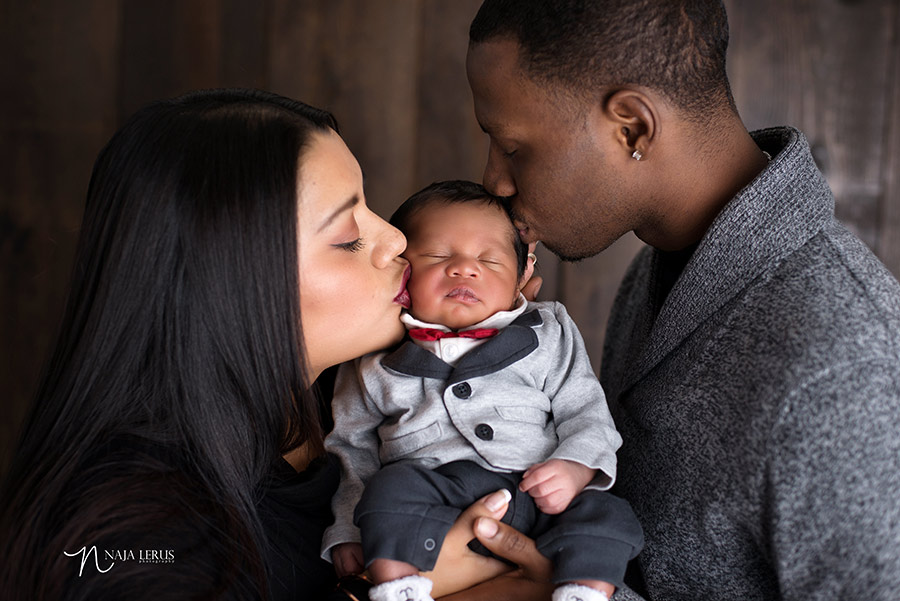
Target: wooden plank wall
{"points": [[393, 73]]}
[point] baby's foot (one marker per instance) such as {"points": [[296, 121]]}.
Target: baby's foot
{"points": [[578, 592], [409, 588]]}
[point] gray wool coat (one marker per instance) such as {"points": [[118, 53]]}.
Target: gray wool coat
{"points": [[760, 402], [525, 396]]}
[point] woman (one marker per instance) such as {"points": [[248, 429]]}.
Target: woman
{"points": [[226, 259]]}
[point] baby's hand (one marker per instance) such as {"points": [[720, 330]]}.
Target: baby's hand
{"points": [[554, 483], [347, 559]]}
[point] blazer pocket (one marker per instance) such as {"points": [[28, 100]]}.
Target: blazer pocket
{"points": [[397, 448], [524, 413]]}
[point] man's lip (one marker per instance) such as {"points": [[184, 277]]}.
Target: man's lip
{"points": [[402, 297], [524, 233]]}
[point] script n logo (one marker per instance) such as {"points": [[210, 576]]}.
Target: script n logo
{"points": [[85, 553]]}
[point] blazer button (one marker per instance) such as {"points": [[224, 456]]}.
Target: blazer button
{"points": [[462, 390], [484, 432]]}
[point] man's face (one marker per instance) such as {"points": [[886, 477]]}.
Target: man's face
{"points": [[550, 154]]}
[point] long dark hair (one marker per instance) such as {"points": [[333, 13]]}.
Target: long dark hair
{"points": [[178, 375]]}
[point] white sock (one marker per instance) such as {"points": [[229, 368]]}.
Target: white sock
{"points": [[578, 592], [409, 588]]}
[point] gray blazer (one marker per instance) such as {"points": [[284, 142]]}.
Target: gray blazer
{"points": [[760, 402], [527, 395]]}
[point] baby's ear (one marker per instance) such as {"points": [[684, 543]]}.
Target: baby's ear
{"points": [[529, 271]]}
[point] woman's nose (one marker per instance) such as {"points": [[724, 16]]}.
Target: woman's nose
{"points": [[497, 179], [389, 245]]}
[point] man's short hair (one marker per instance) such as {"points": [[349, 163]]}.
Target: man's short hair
{"points": [[675, 47]]}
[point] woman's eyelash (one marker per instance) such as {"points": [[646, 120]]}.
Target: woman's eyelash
{"points": [[353, 246]]}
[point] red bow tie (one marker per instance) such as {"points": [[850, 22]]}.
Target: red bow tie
{"points": [[431, 334]]}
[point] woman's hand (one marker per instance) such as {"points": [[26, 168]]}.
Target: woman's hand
{"points": [[530, 581], [457, 566], [482, 578]]}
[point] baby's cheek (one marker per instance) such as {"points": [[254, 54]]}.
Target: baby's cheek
{"points": [[420, 293]]}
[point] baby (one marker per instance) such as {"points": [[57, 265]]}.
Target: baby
{"points": [[489, 392]]}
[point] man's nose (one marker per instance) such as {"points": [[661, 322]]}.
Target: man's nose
{"points": [[497, 179]]}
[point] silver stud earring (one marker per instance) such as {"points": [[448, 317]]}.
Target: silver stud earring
{"points": [[637, 155]]}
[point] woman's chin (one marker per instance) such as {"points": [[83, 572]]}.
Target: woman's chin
{"points": [[401, 332], [393, 333]]}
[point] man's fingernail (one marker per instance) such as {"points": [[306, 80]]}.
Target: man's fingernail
{"points": [[498, 500], [485, 527]]}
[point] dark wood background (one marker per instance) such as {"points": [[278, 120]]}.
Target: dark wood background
{"points": [[393, 73]]}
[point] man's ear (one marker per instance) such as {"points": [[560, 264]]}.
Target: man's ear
{"points": [[636, 118]]}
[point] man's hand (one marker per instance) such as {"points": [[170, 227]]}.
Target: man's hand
{"points": [[554, 483], [347, 559]]}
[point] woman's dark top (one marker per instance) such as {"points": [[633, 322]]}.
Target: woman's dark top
{"points": [[295, 510], [132, 503]]}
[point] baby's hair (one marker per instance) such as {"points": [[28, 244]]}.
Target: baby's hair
{"points": [[452, 192]]}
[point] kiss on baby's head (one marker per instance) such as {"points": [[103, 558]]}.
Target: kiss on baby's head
{"points": [[466, 257]]}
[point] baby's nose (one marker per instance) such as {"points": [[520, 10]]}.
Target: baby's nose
{"points": [[464, 267]]}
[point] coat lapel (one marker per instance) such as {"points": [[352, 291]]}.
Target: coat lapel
{"points": [[787, 204], [515, 341]]}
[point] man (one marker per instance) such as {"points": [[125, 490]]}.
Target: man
{"points": [[752, 358]]}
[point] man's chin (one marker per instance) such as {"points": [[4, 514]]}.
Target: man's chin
{"points": [[567, 255]]}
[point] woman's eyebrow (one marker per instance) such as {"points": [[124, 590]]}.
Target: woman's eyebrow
{"points": [[352, 202]]}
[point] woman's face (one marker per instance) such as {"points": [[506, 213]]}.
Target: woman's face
{"points": [[352, 279]]}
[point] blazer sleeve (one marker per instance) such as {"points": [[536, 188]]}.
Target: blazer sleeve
{"points": [[586, 431], [354, 441]]}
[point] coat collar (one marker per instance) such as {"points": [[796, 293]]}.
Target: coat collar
{"points": [[786, 205], [514, 342]]}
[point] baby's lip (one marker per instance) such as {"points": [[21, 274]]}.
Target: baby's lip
{"points": [[402, 297], [463, 294]]}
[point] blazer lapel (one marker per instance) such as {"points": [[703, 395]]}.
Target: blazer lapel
{"points": [[515, 341]]}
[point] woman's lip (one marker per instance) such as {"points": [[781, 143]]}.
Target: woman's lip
{"points": [[402, 297]]}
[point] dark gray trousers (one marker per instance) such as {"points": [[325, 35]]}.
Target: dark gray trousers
{"points": [[406, 510]]}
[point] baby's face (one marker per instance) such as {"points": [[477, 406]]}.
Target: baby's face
{"points": [[463, 263]]}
